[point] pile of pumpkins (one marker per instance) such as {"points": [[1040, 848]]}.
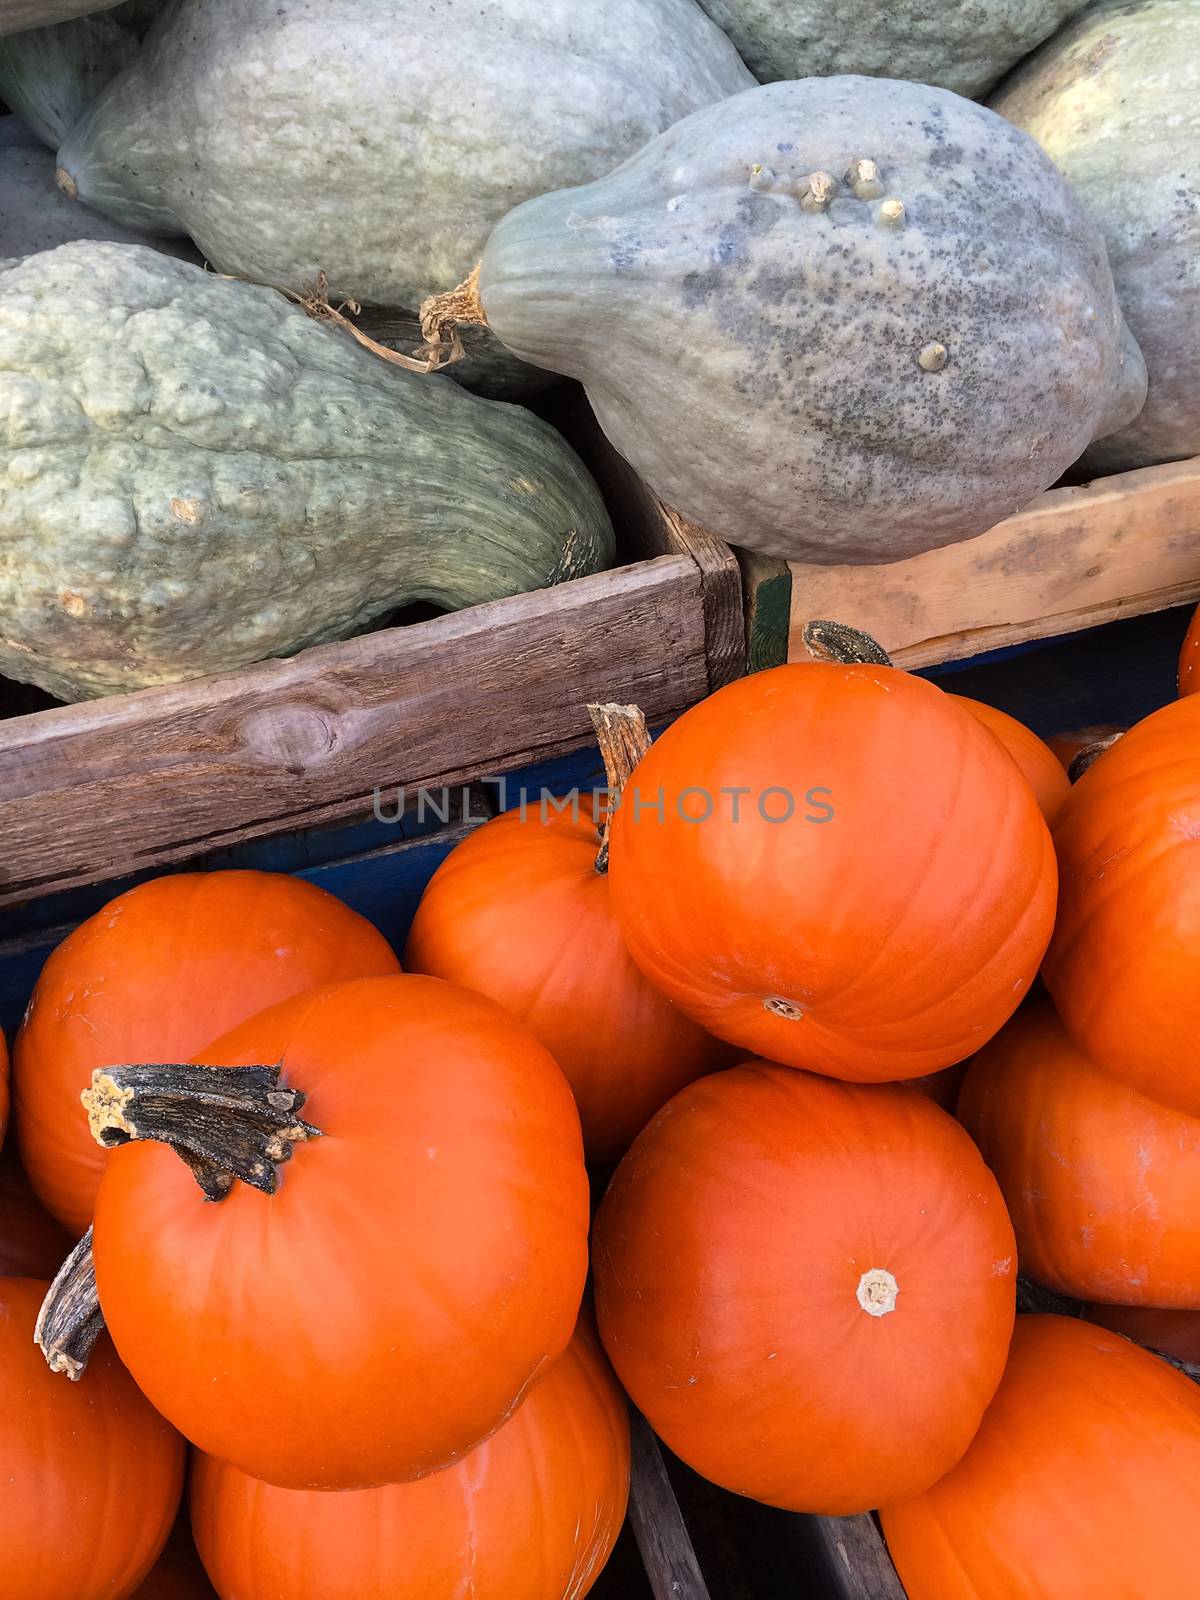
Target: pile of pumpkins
{"points": [[823, 303], [336, 1216]]}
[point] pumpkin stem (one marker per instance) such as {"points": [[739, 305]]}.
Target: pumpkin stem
{"points": [[834, 641], [624, 738], [225, 1122], [70, 1320], [1090, 753], [441, 314]]}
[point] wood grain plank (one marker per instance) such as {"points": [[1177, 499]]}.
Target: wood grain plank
{"points": [[1075, 558], [658, 1524], [101, 789], [857, 1558]]}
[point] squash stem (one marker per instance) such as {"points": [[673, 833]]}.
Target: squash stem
{"points": [[624, 738], [1090, 753], [70, 1320], [834, 641], [224, 1122]]}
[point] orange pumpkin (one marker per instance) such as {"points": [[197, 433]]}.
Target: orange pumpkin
{"points": [[1189, 658], [1103, 1185], [90, 1475], [32, 1245], [1066, 746], [837, 867], [520, 912], [419, 1268], [1040, 766], [1124, 963], [806, 1286], [532, 1514], [1081, 1484], [154, 976], [1175, 1333]]}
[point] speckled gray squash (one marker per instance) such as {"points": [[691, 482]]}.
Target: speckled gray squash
{"points": [[845, 319], [379, 140], [194, 475], [50, 76], [1115, 101], [35, 214], [964, 45], [17, 15]]}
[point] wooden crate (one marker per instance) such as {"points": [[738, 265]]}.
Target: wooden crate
{"points": [[121, 785], [1074, 558]]}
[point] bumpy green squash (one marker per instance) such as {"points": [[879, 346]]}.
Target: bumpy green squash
{"points": [[195, 475], [845, 319], [379, 140], [50, 76], [964, 45], [17, 15], [1115, 101], [35, 214]]}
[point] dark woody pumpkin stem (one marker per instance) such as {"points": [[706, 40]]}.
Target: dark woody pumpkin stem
{"points": [[226, 1123], [1090, 754], [834, 641], [624, 739], [70, 1320]]}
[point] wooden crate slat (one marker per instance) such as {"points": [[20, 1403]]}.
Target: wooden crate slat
{"points": [[1074, 558], [109, 787], [857, 1557], [658, 1524]]}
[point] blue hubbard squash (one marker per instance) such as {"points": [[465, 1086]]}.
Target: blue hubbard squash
{"points": [[378, 141], [845, 319], [196, 475], [50, 76], [1115, 102], [18, 15]]}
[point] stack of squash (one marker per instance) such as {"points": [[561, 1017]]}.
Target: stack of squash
{"points": [[337, 1214], [841, 314]]}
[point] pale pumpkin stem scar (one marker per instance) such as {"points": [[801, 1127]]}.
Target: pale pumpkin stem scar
{"points": [[834, 641], [787, 1009], [877, 1292], [624, 738], [226, 1123], [70, 1320]]}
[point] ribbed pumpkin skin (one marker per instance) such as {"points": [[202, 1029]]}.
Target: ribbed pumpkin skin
{"points": [[1082, 1484], [941, 1087], [518, 912], [90, 1476], [1124, 963], [904, 923], [32, 1244], [1175, 1333], [154, 976], [1189, 658], [420, 1267], [729, 1258], [1103, 1185], [532, 1514], [1040, 767]]}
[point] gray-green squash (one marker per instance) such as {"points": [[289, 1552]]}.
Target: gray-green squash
{"points": [[17, 15], [194, 475], [1115, 101], [377, 141], [841, 320], [35, 214], [50, 76], [964, 45]]}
